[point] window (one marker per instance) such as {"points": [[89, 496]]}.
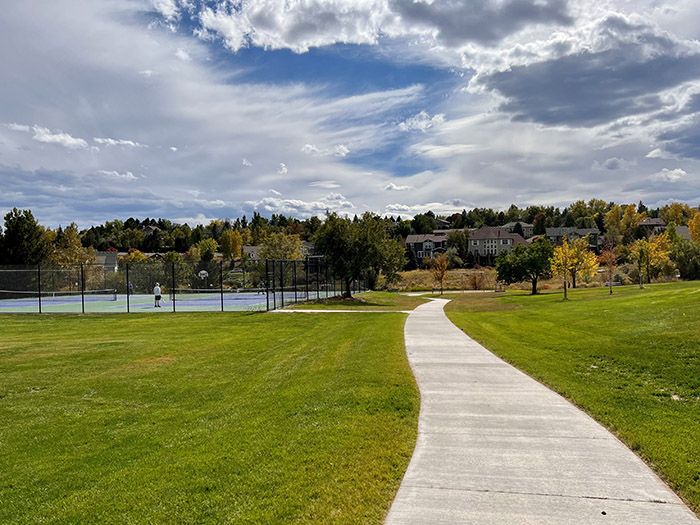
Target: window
{"points": [[475, 243], [505, 241]]}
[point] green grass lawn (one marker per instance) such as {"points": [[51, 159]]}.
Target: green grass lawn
{"points": [[387, 301], [203, 418], [631, 360]]}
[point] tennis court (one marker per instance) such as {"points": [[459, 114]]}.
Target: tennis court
{"points": [[109, 301], [211, 286]]}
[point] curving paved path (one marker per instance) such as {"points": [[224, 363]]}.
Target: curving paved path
{"points": [[495, 446]]}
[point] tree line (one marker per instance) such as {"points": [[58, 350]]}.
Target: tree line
{"points": [[24, 241]]}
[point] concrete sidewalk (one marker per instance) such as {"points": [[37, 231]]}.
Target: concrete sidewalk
{"points": [[495, 446]]}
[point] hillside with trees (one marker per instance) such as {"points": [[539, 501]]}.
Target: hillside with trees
{"points": [[639, 253]]}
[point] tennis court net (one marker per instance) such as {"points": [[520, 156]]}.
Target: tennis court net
{"points": [[94, 295]]}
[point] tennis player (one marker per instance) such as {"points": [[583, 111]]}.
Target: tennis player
{"points": [[156, 293]]}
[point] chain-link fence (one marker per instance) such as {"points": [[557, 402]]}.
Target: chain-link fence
{"points": [[236, 285], [295, 281]]}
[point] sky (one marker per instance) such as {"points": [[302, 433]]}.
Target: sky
{"points": [[199, 109]]}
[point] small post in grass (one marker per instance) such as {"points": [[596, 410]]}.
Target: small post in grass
{"points": [[221, 282]]}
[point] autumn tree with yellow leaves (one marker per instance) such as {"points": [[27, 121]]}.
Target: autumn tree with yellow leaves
{"points": [[694, 227], [574, 260], [650, 256]]}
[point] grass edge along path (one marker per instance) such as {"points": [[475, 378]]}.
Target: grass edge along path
{"points": [[631, 361], [245, 418]]}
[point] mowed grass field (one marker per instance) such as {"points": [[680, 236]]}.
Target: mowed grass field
{"points": [[631, 360], [203, 418]]}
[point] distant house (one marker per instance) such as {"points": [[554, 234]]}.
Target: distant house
{"points": [[528, 229], [427, 244], [653, 225], [109, 260], [486, 243], [683, 232], [556, 236]]}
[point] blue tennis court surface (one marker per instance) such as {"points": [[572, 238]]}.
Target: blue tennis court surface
{"points": [[184, 302]]}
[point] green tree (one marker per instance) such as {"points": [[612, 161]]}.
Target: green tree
{"points": [[351, 248], [423, 223], [172, 257], [457, 239], [23, 241], [281, 246], [686, 256], [518, 228], [207, 249], [526, 263], [68, 249]]}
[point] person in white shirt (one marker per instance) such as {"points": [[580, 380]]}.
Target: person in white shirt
{"points": [[156, 293]]}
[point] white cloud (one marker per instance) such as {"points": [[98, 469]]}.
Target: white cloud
{"points": [[393, 187], [62, 139], [275, 192], [326, 184], [127, 175], [173, 148], [218, 203], [282, 168], [436, 151], [300, 208], [146, 73], [302, 25], [659, 153], [118, 142], [422, 122], [17, 127], [339, 150], [440, 208], [168, 8], [667, 175], [246, 162], [183, 55]]}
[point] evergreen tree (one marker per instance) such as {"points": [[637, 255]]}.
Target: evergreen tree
{"points": [[23, 241]]}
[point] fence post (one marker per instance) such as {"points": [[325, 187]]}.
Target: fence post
{"points": [[82, 287], [38, 270], [306, 277], [326, 266], [318, 280], [294, 279], [128, 292], [282, 282], [267, 284], [172, 280], [274, 285], [221, 282]]}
